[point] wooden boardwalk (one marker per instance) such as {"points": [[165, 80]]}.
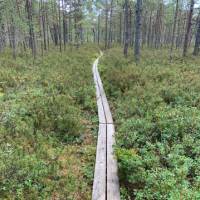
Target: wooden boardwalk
{"points": [[106, 183]]}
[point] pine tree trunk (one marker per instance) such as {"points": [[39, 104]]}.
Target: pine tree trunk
{"points": [[98, 37], [174, 28], [59, 29], [64, 25], [126, 35], [188, 28], [106, 25], [32, 44], [120, 28], [197, 40], [179, 26], [149, 31], [13, 38], [110, 27], [130, 27], [138, 29]]}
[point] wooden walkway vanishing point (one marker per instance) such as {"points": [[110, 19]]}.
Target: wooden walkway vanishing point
{"points": [[106, 183]]}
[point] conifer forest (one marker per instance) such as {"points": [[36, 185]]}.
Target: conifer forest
{"points": [[100, 99]]}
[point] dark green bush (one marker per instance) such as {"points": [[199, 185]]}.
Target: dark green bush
{"points": [[156, 107], [47, 110]]}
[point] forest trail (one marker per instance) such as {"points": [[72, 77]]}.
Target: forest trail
{"points": [[106, 183]]}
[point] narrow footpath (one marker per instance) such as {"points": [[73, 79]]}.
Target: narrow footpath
{"points": [[106, 182]]}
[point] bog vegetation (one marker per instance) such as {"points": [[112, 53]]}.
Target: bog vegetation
{"points": [[48, 112], [156, 111], [48, 126]]}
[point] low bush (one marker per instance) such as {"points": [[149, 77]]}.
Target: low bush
{"points": [[156, 110], [47, 137]]}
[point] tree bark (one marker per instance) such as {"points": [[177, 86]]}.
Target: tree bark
{"points": [[149, 42], [126, 35], [32, 44], [174, 29], [106, 25], [110, 27], [13, 38], [138, 15], [188, 28], [99, 21], [197, 40]]}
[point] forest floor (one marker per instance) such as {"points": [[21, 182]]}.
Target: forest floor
{"points": [[156, 109], [48, 125]]}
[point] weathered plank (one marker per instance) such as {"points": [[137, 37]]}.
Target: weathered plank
{"points": [[101, 89], [95, 79], [106, 183], [103, 96], [101, 113], [112, 174], [99, 185], [108, 115]]}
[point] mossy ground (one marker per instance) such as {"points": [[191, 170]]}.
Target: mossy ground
{"points": [[47, 125], [156, 107]]}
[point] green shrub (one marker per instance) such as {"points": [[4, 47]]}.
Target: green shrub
{"points": [[156, 107], [47, 117]]}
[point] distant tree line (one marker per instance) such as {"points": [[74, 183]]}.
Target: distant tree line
{"points": [[40, 24]]}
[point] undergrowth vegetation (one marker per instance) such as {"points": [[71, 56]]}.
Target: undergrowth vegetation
{"points": [[47, 122], [156, 107]]}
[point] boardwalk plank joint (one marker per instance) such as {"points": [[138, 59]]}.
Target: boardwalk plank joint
{"points": [[106, 183]]}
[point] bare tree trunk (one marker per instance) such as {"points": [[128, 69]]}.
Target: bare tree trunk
{"points": [[64, 24], [106, 25], [47, 26], [149, 31], [44, 24], [120, 28], [40, 23], [179, 26], [189, 24], [138, 29], [13, 38], [29, 9], [174, 29], [110, 27], [126, 35], [130, 26], [144, 29], [99, 21], [158, 27], [197, 40], [59, 29]]}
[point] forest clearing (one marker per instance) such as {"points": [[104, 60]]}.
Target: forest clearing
{"points": [[99, 99]]}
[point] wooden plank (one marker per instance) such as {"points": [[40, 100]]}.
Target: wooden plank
{"points": [[108, 115], [101, 89], [101, 114], [98, 94], [103, 95], [97, 91], [106, 183], [99, 185], [95, 79], [113, 191]]}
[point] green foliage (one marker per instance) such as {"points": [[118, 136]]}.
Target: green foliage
{"points": [[46, 115], [156, 107]]}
